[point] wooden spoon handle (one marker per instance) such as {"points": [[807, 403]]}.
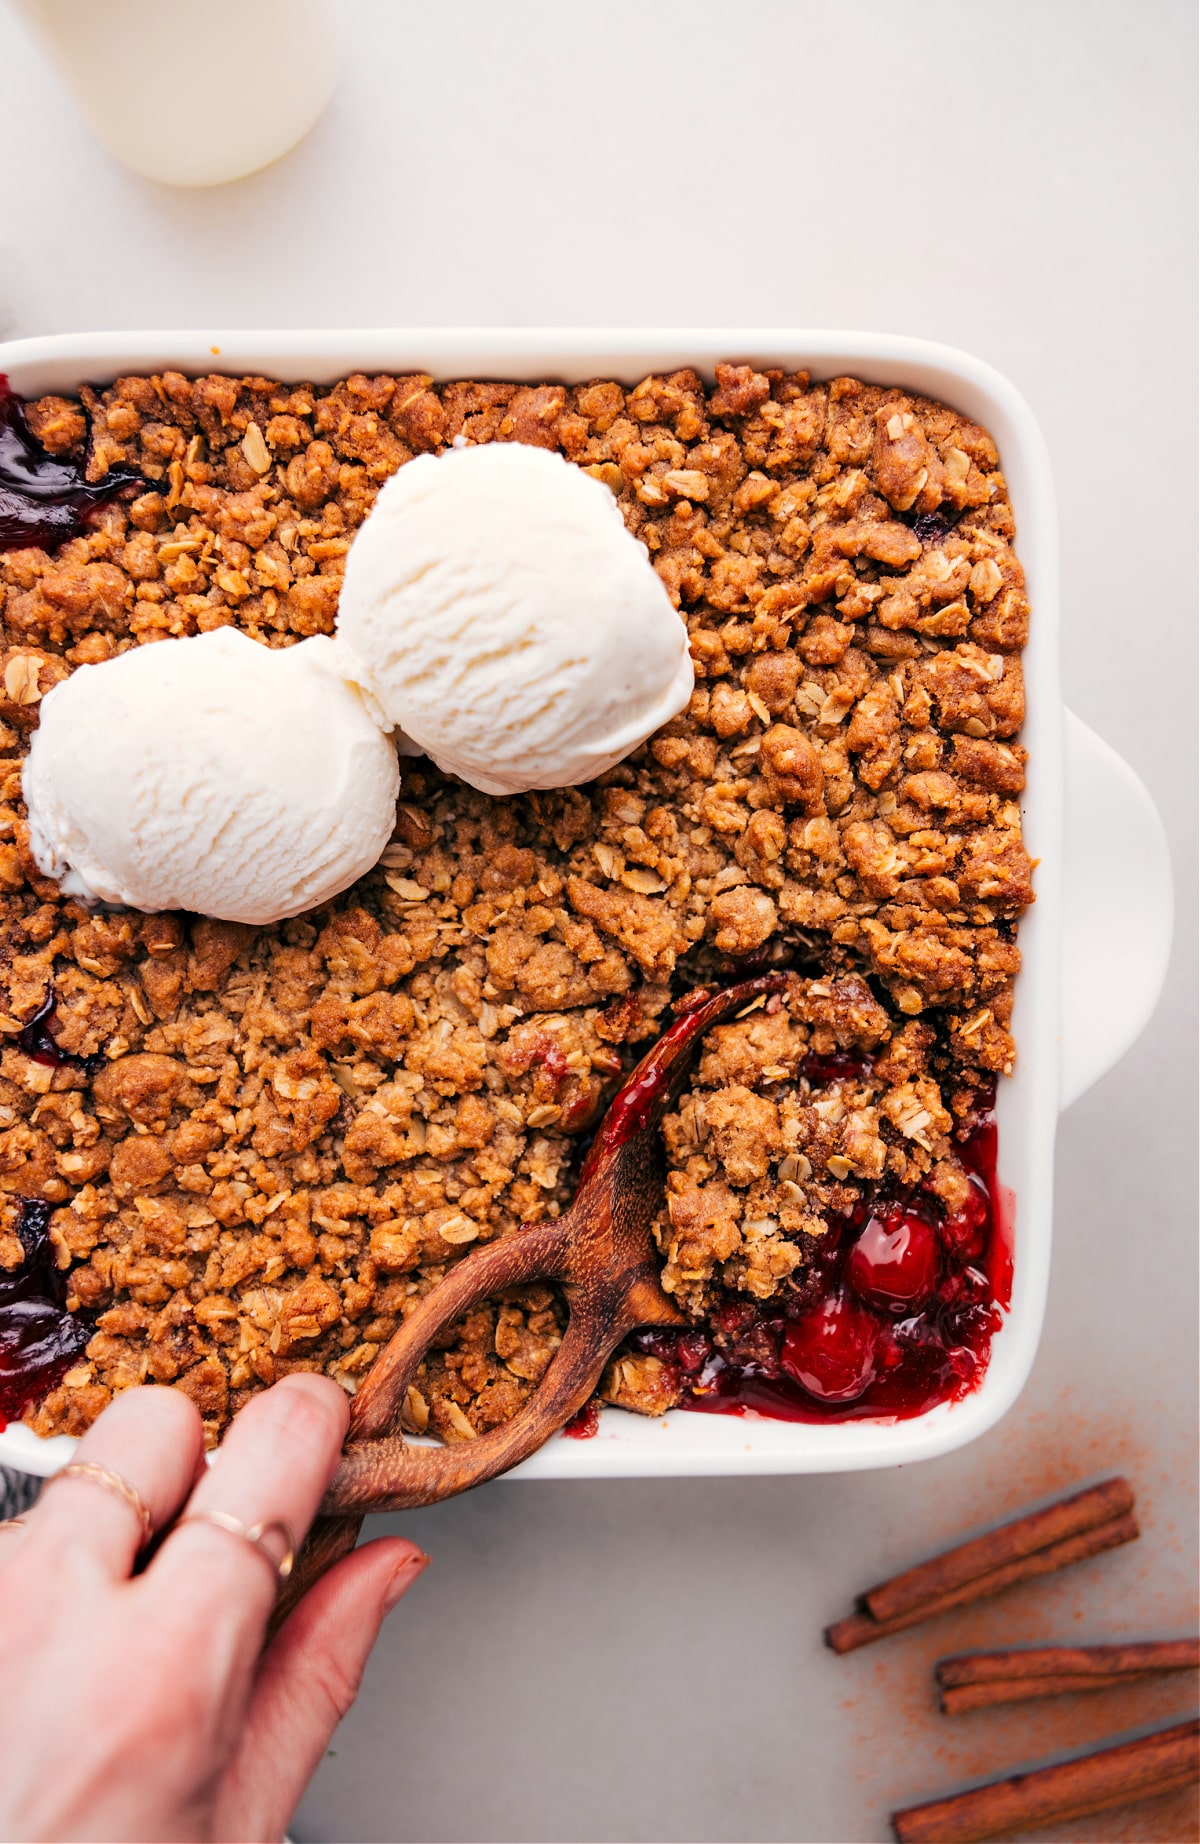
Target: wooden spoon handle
{"points": [[537, 1252], [390, 1474], [326, 1543]]}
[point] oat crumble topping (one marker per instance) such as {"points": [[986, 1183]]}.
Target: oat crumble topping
{"points": [[284, 1135]]}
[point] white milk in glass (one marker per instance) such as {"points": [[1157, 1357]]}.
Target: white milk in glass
{"points": [[193, 92]]}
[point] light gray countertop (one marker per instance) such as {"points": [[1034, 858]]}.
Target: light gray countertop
{"points": [[643, 1660]]}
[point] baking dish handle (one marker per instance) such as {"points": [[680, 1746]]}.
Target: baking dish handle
{"points": [[1118, 909]]}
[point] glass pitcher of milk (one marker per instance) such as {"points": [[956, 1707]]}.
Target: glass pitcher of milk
{"points": [[193, 92]]}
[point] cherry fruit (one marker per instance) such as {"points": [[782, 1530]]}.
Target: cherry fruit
{"points": [[894, 1264], [831, 1351], [963, 1231]]}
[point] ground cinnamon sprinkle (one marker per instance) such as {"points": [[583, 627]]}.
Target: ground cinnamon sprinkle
{"points": [[270, 1141]]}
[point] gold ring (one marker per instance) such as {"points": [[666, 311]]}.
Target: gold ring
{"points": [[253, 1534], [12, 1523], [112, 1482]]}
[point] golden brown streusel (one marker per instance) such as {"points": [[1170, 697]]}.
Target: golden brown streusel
{"points": [[295, 1130]]}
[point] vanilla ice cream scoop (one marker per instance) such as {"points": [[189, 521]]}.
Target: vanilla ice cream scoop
{"points": [[211, 774], [497, 612]]}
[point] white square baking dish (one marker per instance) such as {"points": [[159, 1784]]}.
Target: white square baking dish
{"points": [[1075, 1014]]}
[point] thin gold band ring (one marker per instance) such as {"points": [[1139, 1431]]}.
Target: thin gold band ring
{"points": [[112, 1482], [280, 1567]]}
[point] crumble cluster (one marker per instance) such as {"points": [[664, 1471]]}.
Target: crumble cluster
{"points": [[283, 1136]]}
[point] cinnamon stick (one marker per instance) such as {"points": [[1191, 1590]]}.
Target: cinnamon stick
{"points": [[955, 1699], [1158, 1763], [998, 1548], [982, 1680], [1055, 1661], [862, 1628]]}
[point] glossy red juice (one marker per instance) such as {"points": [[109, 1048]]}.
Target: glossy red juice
{"points": [[38, 1038], [46, 499], [39, 1338], [584, 1423]]}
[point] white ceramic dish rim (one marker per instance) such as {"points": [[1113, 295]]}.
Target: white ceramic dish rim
{"points": [[1027, 1107]]}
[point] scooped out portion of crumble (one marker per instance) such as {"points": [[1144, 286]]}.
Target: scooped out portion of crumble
{"points": [[829, 1221], [257, 1147]]}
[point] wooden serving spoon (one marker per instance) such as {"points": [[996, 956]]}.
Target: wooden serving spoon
{"points": [[601, 1253]]}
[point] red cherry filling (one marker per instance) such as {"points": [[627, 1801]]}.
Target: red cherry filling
{"points": [[584, 1425], [894, 1264], [38, 1038], [39, 1339], [923, 1337], [831, 1352], [963, 1232], [45, 500]]}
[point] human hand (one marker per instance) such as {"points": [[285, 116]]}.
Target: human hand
{"points": [[143, 1706]]}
